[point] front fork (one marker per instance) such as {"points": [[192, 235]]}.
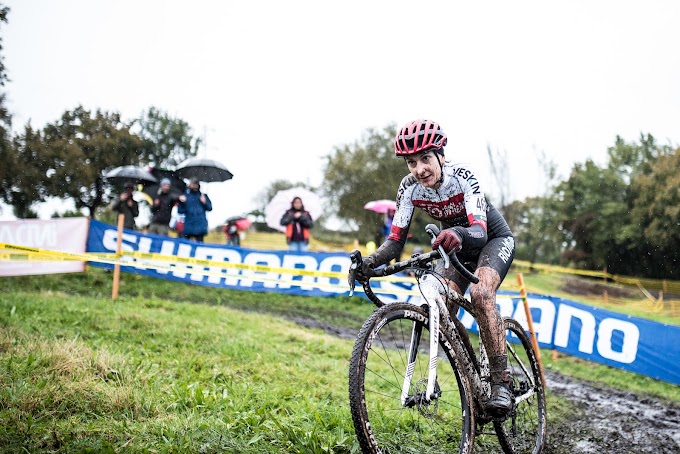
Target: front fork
{"points": [[430, 291]]}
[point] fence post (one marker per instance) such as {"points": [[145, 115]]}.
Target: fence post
{"points": [[530, 322], [116, 267]]}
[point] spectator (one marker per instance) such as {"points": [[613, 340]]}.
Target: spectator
{"points": [[387, 226], [230, 230], [126, 205], [297, 222], [161, 209], [193, 205]]}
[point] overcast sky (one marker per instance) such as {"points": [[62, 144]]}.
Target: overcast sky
{"points": [[274, 86]]}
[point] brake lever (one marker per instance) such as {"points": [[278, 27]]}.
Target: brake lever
{"points": [[433, 231], [355, 257]]}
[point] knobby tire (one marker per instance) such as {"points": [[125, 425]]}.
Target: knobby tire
{"points": [[524, 431], [376, 375]]}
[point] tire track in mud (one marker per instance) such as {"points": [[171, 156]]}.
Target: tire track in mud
{"points": [[610, 420], [606, 420]]}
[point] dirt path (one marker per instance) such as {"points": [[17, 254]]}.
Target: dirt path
{"points": [[609, 420], [606, 420]]}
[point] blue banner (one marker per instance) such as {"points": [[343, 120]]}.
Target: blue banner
{"points": [[598, 335], [102, 238], [606, 337]]}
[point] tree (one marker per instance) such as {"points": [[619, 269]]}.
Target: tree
{"points": [[81, 147], [593, 205], [631, 159], [7, 158], [596, 205], [656, 210], [25, 184], [358, 173], [167, 141], [537, 238]]}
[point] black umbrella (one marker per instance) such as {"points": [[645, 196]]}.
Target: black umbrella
{"points": [[177, 185], [131, 174], [207, 170]]}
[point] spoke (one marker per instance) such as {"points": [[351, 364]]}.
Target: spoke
{"points": [[511, 349]]}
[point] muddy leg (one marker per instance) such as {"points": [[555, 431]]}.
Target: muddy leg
{"points": [[491, 329]]}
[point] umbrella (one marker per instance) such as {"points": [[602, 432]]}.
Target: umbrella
{"points": [[207, 170], [381, 206], [131, 174], [241, 222], [177, 185], [280, 203]]}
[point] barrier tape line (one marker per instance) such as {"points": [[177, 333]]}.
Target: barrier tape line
{"points": [[657, 284], [37, 254]]}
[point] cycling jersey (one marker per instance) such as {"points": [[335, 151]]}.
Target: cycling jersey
{"points": [[458, 202]]}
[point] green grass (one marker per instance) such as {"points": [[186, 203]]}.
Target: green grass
{"points": [[173, 367], [82, 373]]}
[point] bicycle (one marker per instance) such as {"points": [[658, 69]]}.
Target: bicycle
{"points": [[418, 393]]}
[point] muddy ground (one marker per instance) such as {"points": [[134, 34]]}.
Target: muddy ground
{"points": [[605, 421], [612, 421]]}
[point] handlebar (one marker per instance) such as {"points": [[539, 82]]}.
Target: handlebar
{"points": [[416, 261]]}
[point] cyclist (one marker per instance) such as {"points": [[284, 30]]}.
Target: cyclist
{"points": [[472, 227]]}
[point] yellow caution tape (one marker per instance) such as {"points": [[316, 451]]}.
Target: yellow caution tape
{"points": [[176, 264], [197, 267]]}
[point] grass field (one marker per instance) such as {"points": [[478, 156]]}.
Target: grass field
{"points": [[174, 367]]}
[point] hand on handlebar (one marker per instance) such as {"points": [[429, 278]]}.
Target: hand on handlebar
{"points": [[364, 269], [448, 239]]}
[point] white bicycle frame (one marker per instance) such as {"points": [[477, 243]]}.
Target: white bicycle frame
{"points": [[430, 288]]}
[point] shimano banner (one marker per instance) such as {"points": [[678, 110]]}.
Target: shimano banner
{"points": [[103, 238], [606, 337]]}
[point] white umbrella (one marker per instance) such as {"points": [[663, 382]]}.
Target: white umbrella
{"points": [[132, 174], [281, 202]]}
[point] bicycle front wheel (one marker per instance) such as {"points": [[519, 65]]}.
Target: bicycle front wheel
{"points": [[524, 430], [390, 416]]}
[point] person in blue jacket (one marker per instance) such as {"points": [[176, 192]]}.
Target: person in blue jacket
{"points": [[193, 205]]}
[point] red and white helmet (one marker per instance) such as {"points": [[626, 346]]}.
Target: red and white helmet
{"points": [[417, 136]]}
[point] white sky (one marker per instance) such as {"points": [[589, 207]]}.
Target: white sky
{"points": [[277, 85]]}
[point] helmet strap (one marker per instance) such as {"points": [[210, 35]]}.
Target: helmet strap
{"points": [[441, 167]]}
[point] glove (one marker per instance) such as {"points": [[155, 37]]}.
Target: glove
{"points": [[449, 239], [363, 269]]}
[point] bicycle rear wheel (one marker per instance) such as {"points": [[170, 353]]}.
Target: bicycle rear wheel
{"points": [[524, 430], [376, 378]]}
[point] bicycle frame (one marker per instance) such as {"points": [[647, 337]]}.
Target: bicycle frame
{"points": [[432, 290]]}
